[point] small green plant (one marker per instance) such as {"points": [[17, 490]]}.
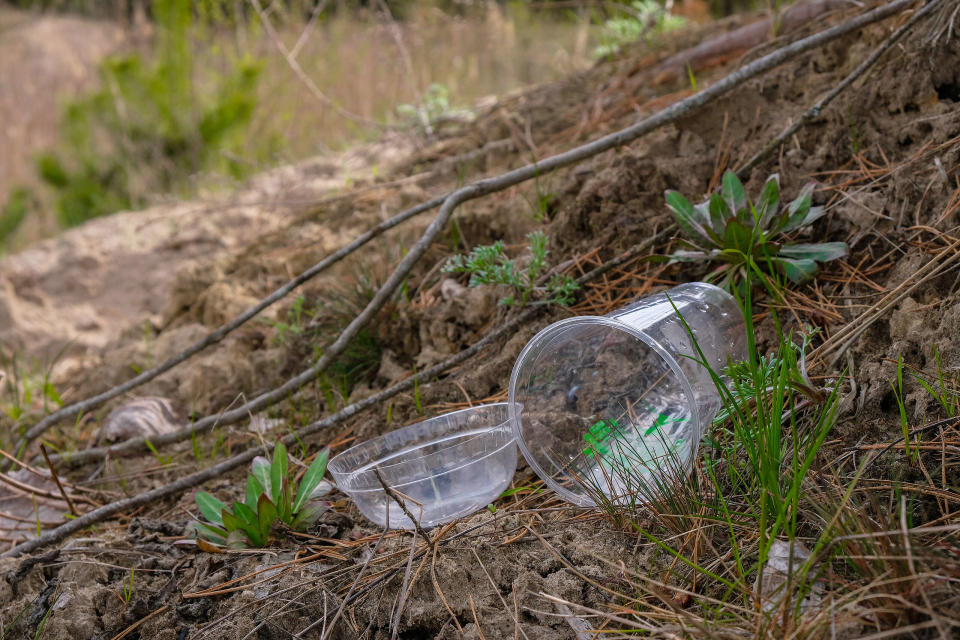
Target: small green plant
{"points": [[162, 459], [270, 499], [126, 588], [946, 396], [489, 265], [900, 397], [23, 385], [149, 128], [646, 20], [293, 325], [743, 235], [20, 202], [435, 110]]}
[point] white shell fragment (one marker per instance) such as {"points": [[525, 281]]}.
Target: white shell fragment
{"points": [[148, 417]]}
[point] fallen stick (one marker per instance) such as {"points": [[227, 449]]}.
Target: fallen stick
{"points": [[742, 39], [504, 181]]}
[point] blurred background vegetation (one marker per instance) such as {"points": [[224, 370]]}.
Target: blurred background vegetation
{"points": [[205, 93]]}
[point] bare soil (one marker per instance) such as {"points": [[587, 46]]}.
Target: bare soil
{"points": [[887, 155]]}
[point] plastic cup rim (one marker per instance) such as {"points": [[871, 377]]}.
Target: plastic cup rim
{"points": [[346, 476], [514, 417]]}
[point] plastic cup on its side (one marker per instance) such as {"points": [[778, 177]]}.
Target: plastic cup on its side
{"points": [[606, 407]]}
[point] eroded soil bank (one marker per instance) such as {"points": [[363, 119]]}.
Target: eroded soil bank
{"points": [[886, 154]]}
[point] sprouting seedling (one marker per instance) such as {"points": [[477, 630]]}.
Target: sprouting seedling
{"points": [[945, 396], [488, 264], [127, 588], [742, 234], [162, 459], [900, 397], [269, 499], [435, 109], [644, 20]]}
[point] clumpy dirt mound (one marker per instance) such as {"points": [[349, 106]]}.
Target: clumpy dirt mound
{"points": [[887, 156]]}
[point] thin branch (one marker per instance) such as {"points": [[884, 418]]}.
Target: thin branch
{"points": [[815, 109], [305, 34], [53, 472], [403, 506], [301, 74]]}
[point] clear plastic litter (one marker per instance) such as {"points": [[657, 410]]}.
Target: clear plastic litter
{"points": [[613, 407], [441, 469]]}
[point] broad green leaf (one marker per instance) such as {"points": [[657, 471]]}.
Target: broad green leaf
{"points": [[254, 490], [310, 514], [278, 471], [733, 193], [285, 506], [245, 513], [813, 214], [823, 252], [769, 202], [210, 507], [798, 209], [266, 516], [247, 523], [686, 216], [738, 237], [311, 479], [261, 471], [797, 269], [719, 214], [230, 521], [215, 535], [713, 227]]}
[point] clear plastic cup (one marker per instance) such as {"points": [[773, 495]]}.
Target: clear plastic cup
{"points": [[616, 405], [442, 468]]}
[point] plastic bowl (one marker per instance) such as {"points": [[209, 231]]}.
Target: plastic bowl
{"points": [[442, 468]]}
